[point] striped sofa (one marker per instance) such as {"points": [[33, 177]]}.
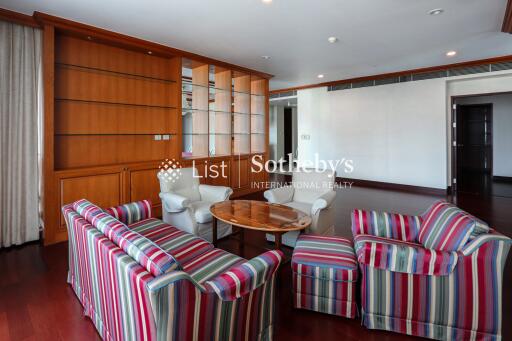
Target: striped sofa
{"points": [[449, 291], [141, 279]]}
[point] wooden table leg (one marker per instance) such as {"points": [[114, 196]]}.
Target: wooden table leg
{"points": [[214, 231], [241, 245], [277, 237]]}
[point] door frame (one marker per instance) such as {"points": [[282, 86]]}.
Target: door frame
{"points": [[453, 130]]}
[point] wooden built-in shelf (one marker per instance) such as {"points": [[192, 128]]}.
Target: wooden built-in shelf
{"points": [[118, 73]]}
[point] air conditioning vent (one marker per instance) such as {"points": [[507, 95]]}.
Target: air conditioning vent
{"points": [[343, 86], [363, 84], [501, 66], [429, 75], [385, 81], [469, 70]]}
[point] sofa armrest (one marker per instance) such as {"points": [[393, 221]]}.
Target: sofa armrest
{"points": [[173, 203], [322, 202], [214, 193], [399, 256], [132, 212], [280, 195], [246, 277], [387, 225], [482, 239]]}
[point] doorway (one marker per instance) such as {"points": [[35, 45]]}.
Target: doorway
{"points": [[474, 148], [288, 131], [482, 145]]}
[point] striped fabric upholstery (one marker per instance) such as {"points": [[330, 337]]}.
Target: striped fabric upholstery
{"points": [[126, 302], [446, 227], [459, 299], [325, 275], [132, 212], [398, 256], [210, 264], [181, 245], [246, 277], [97, 267], [143, 250], [387, 225]]}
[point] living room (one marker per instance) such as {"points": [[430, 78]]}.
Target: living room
{"points": [[255, 170]]}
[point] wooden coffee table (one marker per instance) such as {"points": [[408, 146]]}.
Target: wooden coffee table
{"points": [[260, 216]]}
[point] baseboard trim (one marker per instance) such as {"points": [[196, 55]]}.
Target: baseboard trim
{"points": [[502, 178], [394, 187]]}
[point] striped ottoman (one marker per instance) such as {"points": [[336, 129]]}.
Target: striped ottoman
{"points": [[325, 275]]}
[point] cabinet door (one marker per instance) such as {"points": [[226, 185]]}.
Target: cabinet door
{"points": [[143, 185], [103, 190]]}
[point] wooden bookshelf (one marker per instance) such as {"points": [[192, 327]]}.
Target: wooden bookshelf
{"points": [[117, 106]]}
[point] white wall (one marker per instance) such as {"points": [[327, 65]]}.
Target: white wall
{"points": [[501, 130], [394, 133]]}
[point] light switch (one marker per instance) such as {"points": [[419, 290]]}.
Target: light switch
{"points": [[158, 137], [166, 137]]}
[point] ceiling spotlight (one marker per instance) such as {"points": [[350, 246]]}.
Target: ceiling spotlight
{"points": [[265, 57], [451, 53], [320, 76], [332, 40], [436, 11]]}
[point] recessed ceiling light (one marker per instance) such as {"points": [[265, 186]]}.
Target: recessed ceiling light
{"points": [[320, 76], [451, 53], [267, 1], [332, 40], [436, 11], [265, 57]]}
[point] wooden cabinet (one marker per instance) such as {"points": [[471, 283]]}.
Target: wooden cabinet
{"points": [[116, 107]]}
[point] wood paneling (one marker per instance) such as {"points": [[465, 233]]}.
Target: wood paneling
{"points": [[77, 117], [144, 184], [103, 190], [17, 18], [219, 173], [77, 83], [75, 151]]}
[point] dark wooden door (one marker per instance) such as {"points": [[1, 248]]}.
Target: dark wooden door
{"points": [[474, 138], [288, 132]]}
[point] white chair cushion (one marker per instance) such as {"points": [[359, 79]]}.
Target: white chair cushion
{"points": [[202, 211], [301, 206]]}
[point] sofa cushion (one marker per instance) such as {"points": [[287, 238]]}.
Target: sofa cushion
{"points": [[181, 245], [132, 212], [210, 264], [387, 225], [143, 250], [446, 227], [202, 211], [328, 258]]}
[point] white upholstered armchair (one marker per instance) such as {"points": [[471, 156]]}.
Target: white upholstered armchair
{"points": [[311, 192], [186, 203]]}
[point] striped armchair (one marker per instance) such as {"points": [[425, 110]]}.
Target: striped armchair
{"points": [[444, 293], [139, 278]]}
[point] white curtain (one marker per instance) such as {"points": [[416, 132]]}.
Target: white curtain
{"points": [[20, 116]]}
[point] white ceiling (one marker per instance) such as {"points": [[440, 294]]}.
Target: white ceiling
{"points": [[376, 36]]}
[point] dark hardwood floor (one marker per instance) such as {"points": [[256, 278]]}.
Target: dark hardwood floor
{"points": [[37, 304]]}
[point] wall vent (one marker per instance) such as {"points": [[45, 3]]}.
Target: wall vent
{"points": [[501, 66], [284, 94], [460, 71]]}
